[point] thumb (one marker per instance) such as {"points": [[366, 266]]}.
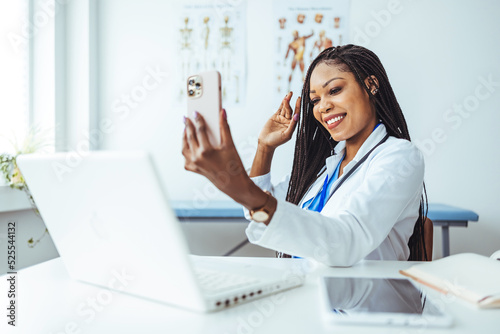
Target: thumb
{"points": [[295, 118], [225, 132]]}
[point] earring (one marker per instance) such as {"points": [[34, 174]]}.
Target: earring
{"points": [[375, 91]]}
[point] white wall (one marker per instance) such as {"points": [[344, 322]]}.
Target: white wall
{"points": [[135, 35], [435, 53]]}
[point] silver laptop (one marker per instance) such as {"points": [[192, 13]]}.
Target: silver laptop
{"points": [[111, 222]]}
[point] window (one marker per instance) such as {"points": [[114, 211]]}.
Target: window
{"points": [[14, 73]]}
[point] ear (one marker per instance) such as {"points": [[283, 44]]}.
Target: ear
{"points": [[371, 83]]}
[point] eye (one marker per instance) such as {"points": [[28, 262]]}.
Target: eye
{"points": [[314, 102], [334, 90]]}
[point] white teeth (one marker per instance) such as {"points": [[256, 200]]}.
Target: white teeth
{"points": [[333, 120]]}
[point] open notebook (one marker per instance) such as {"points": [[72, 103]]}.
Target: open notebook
{"points": [[471, 277]]}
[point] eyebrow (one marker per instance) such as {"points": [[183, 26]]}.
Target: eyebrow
{"points": [[326, 83]]}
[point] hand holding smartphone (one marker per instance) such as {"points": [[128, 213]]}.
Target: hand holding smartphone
{"points": [[204, 97], [222, 165]]}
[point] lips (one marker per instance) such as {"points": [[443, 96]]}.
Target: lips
{"points": [[333, 121]]}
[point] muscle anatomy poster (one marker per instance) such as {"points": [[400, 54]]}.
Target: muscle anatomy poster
{"points": [[302, 30]]}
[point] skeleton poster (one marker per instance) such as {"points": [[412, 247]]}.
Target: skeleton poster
{"points": [[211, 36], [302, 30]]}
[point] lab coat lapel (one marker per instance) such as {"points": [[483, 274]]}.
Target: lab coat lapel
{"points": [[372, 140], [331, 163]]}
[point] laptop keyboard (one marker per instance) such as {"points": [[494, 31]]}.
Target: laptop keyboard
{"points": [[215, 281]]}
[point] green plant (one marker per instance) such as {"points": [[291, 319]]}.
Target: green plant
{"points": [[34, 141], [10, 171]]}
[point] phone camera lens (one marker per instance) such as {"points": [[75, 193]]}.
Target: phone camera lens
{"points": [[191, 92], [198, 85], [191, 81]]}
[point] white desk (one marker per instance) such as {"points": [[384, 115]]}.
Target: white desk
{"points": [[49, 302]]}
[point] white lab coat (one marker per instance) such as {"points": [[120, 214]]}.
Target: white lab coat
{"points": [[371, 216]]}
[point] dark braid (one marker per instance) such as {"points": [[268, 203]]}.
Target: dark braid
{"points": [[314, 144]]}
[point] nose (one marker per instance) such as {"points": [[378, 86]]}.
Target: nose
{"points": [[325, 106]]}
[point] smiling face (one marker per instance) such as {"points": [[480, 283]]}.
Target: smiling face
{"points": [[341, 105]]}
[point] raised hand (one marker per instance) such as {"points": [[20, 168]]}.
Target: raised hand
{"points": [[279, 128]]}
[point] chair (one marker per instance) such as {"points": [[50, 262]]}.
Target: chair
{"points": [[428, 239]]}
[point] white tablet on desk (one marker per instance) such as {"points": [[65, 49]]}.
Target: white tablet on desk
{"points": [[379, 301]]}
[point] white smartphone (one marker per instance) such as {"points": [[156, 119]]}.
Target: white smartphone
{"points": [[379, 301], [204, 96]]}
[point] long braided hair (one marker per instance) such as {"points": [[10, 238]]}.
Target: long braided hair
{"points": [[314, 144]]}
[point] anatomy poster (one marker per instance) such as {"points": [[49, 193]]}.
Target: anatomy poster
{"points": [[211, 36], [302, 30]]}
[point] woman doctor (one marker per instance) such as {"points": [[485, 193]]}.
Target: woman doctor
{"points": [[356, 187]]}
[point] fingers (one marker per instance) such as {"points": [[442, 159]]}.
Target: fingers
{"points": [[286, 111], [190, 139], [226, 139], [194, 142], [188, 144], [185, 144], [280, 107], [201, 131], [297, 106], [188, 154], [293, 122]]}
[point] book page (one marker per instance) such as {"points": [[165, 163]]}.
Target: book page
{"points": [[468, 276]]}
